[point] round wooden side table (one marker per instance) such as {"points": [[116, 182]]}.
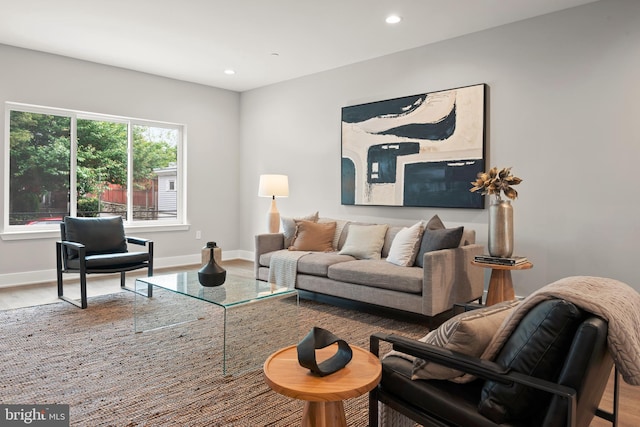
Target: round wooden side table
{"points": [[500, 283], [323, 396]]}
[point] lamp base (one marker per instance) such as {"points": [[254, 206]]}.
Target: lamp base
{"points": [[273, 218]]}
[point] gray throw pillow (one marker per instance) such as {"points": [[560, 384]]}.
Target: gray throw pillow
{"points": [[435, 223], [436, 237]]}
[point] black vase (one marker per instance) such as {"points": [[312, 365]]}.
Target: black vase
{"points": [[212, 274]]}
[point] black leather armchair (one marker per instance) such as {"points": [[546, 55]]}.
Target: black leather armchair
{"points": [[552, 371], [98, 245]]}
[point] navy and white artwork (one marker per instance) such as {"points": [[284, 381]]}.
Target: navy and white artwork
{"points": [[422, 150]]}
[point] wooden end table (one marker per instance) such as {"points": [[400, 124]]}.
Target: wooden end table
{"points": [[500, 283], [323, 396]]}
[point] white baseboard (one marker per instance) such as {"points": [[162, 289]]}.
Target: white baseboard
{"points": [[49, 276], [244, 255]]}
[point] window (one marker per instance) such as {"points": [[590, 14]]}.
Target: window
{"points": [[117, 166]]}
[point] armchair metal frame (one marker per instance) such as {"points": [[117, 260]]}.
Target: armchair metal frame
{"points": [[62, 267], [481, 368]]}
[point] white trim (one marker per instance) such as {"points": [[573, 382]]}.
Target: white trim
{"points": [[131, 229], [130, 200], [18, 232], [73, 168], [6, 149], [68, 112], [49, 276]]}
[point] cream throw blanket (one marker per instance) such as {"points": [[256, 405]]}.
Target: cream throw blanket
{"points": [[614, 301], [283, 267]]}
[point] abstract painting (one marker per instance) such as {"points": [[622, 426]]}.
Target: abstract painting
{"points": [[421, 150]]}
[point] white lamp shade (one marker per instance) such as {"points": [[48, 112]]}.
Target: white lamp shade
{"points": [[273, 186]]}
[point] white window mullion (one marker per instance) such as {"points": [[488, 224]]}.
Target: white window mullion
{"points": [[129, 172], [180, 181], [73, 167], [7, 166]]}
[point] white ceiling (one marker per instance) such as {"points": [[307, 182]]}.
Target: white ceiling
{"points": [[196, 40]]}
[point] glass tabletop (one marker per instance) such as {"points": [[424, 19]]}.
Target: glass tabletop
{"points": [[235, 290]]}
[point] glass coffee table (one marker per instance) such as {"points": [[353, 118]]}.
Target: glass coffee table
{"points": [[253, 312]]}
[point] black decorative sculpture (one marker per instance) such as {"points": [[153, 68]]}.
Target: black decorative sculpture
{"points": [[212, 274], [320, 338]]}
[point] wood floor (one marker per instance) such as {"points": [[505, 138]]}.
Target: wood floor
{"points": [[46, 293], [24, 296]]}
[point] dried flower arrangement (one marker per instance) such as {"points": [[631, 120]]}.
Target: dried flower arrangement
{"points": [[494, 182]]}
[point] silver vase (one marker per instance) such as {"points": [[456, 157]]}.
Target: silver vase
{"points": [[500, 228]]}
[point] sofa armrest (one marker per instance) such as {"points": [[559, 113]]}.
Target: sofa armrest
{"points": [[265, 243], [449, 277]]}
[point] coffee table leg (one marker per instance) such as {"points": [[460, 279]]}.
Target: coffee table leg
{"points": [[324, 414]]}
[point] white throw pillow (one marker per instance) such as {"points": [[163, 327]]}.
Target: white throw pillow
{"points": [[364, 241], [405, 245]]}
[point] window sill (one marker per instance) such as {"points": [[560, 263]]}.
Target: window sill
{"points": [[55, 234]]}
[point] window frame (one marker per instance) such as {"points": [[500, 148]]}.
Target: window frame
{"points": [[18, 232]]}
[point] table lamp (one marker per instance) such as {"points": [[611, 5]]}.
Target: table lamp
{"points": [[272, 186]]}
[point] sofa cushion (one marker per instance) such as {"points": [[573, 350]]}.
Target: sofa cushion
{"points": [[437, 237], [469, 333], [318, 263], [378, 274], [312, 236], [405, 245], [365, 241], [289, 226], [537, 347]]}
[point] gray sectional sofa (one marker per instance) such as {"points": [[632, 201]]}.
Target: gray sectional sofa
{"points": [[445, 277]]}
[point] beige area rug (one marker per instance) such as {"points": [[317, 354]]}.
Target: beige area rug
{"points": [[110, 376]]}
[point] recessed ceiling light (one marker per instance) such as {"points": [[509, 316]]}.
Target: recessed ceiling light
{"points": [[229, 72], [393, 19]]}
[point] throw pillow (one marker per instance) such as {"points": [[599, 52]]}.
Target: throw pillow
{"points": [[405, 246], [435, 223], [469, 333], [537, 347], [289, 226], [312, 236], [364, 241], [340, 224], [437, 237]]}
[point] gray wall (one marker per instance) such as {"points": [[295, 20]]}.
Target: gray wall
{"points": [[563, 111], [211, 117]]}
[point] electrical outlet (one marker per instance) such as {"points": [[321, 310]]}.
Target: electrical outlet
{"points": [[198, 235]]}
